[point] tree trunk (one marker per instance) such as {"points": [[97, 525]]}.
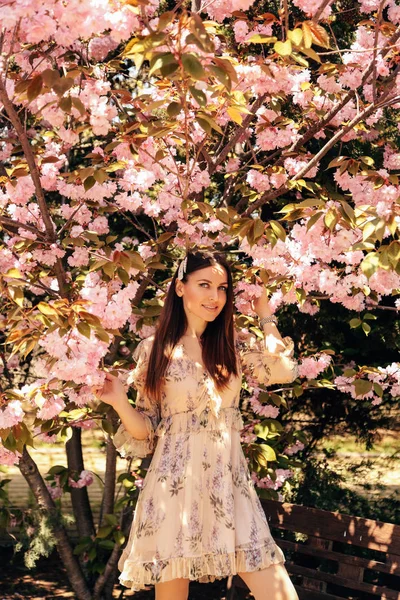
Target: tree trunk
{"points": [[79, 496], [107, 503], [36, 483]]}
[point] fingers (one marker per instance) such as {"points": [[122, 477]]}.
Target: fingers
{"points": [[96, 390]]}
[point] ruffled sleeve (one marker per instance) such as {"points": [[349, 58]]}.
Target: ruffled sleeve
{"points": [[127, 445], [265, 367]]}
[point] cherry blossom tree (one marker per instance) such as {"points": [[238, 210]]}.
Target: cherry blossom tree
{"points": [[132, 131]]}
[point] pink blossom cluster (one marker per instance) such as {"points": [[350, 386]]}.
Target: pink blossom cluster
{"points": [[280, 79], [312, 366], [295, 164], [43, 21], [364, 192], [9, 458], [11, 415], [259, 181], [294, 448], [245, 293], [85, 479], [387, 377], [222, 9], [54, 488], [268, 411], [267, 482], [243, 33], [310, 7]]}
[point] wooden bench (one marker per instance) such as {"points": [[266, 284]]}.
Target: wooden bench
{"points": [[331, 556]]}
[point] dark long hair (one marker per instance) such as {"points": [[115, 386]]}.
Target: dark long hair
{"points": [[217, 340]]}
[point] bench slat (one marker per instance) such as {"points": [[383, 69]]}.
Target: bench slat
{"points": [[337, 527], [392, 569], [381, 592]]}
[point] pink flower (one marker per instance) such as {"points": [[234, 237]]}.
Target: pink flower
{"points": [[311, 367], [51, 408], [85, 479], [9, 458], [11, 415], [100, 47], [290, 450], [241, 29], [54, 491], [259, 181]]}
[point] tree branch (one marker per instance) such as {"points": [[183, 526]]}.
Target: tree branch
{"points": [[34, 172], [321, 9], [271, 195], [237, 134], [13, 225]]}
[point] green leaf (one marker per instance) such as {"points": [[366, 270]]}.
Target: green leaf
{"points": [[107, 544], [312, 220], [57, 470], [370, 264], [89, 183], [119, 537], [278, 230], [355, 323], [268, 452], [84, 329], [362, 386], [283, 48], [222, 76], [193, 66], [160, 61], [295, 36], [47, 310], [174, 108], [366, 328], [34, 88], [258, 38], [104, 531], [111, 519], [198, 95], [210, 121], [107, 426]]}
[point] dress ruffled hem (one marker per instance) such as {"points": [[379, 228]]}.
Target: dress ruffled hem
{"points": [[204, 569]]}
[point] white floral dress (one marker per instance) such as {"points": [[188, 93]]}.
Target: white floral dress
{"points": [[198, 514]]}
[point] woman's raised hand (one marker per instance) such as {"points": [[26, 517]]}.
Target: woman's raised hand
{"points": [[112, 392], [260, 305]]}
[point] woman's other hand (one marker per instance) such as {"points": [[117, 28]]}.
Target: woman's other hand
{"points": [[260, 305], [112, 392]]}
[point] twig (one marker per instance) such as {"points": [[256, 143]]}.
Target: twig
{"points": [[376, 33], [321, 9]]}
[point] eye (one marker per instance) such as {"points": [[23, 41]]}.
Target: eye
{"points": [[224, 288]]}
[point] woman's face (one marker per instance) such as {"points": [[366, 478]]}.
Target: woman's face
{"points": [[205, 291]]}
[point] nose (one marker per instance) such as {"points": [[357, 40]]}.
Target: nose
{"points": [[214, 295]]}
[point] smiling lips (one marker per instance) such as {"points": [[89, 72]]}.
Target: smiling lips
{"points": [[213, 308]]}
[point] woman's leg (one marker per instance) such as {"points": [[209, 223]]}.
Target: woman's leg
{"points": [[176, 589], [272, 583]]}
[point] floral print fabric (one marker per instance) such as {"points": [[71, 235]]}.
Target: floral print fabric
{"points": [[198, 514]]}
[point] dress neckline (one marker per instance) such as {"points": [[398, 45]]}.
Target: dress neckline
{"points": [[195, 363]]}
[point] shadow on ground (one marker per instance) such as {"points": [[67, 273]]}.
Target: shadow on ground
{"points": [[48, 581]]}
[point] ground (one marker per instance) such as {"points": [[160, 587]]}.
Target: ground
{"points": [[48, 581]]}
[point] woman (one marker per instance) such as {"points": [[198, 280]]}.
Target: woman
{"points": [[198, 516]]}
